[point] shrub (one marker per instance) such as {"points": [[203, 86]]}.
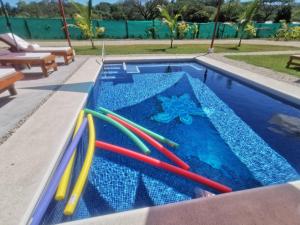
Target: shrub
{"points": [[287, 33], [182, 29]]}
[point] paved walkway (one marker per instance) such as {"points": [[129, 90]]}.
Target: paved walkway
{"points": [[33, 91], [262, 53], [153, 42], [260, 70]]}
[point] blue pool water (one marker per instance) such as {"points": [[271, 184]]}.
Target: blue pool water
{"points": [[227, 132]]}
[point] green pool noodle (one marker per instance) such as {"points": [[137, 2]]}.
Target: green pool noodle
{"points": [[149, 132], [132, 136]]}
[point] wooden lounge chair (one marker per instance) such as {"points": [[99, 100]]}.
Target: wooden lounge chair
{"points": [[24, 46], [8, 77], [45, 60], [292, 59]]}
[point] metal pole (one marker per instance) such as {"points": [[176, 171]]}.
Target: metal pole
{"points": [[8, 24], [211, 49], [62, 13]]}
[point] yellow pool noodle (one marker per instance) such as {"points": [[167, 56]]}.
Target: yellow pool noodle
{"points": [[65, 179], [77, 190]]}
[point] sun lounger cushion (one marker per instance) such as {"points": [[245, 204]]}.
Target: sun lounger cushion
{"points": [[50, 49], [23, 55], [26, 46], [4, 52], [33, 46], [9, 38], [5, 72]]}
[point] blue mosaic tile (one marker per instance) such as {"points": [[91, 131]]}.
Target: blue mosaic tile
{"points": [[144, 86], [266, 165]]}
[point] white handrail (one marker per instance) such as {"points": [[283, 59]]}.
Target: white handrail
{"points": [[103, 51]]}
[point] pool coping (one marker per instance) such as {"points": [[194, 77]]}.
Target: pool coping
{"points": [[268, 85], [240, 207], [60, 129], [25, 171]]}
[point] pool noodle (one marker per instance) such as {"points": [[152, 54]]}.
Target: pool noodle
{"points": [[149, 132], [50, 191], [153, 142], [157, 163], [132, 136], [64, 181], [81, 180]]}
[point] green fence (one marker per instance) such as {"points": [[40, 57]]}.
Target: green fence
{"points": [[32, 28]]}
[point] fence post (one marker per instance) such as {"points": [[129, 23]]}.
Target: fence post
{"points": [[257, 26], [27, 29], [126, 26], [153, 27]]}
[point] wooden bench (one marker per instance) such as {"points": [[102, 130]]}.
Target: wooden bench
{"points": [[8, 77], [292, 59], [45, 60]]}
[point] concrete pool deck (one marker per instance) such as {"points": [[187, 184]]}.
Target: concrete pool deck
{"points": [[33, 91], [30, 155], [273, 205], [123, 42]]}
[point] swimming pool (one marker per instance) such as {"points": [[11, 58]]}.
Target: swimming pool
{"points": [[227, 132]]}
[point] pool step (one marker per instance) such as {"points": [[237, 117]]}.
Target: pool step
{"points": [[200, 193], [119, 73], [113, 66], [132, 69], [113, 71]]}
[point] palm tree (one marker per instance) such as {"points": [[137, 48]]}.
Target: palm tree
{"points": [[83, 21], [170, 21], [246, 23]]}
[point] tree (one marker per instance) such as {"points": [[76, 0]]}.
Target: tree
{"points": [[296, 13], [182, 29], [148, 8], [288, 33], [230, 11], [170, 20], [83, 21], [195, 10], [284, 13], [245, 25], [103, 10], [269, 8]]}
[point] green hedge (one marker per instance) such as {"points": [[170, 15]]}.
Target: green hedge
{"points": [[33, 28]]}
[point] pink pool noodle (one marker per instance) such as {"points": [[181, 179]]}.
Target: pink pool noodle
{"points": [[153, 142], [157, 163]]}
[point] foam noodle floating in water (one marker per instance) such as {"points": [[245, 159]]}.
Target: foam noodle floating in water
{"points": [[81, 180], [49, 193], [153, 142], [149, 132], [132, 136], [159, 164], [65, 179]]}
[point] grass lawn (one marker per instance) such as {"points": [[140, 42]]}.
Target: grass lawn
{"points": [[273, 62], [178, 49]]}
